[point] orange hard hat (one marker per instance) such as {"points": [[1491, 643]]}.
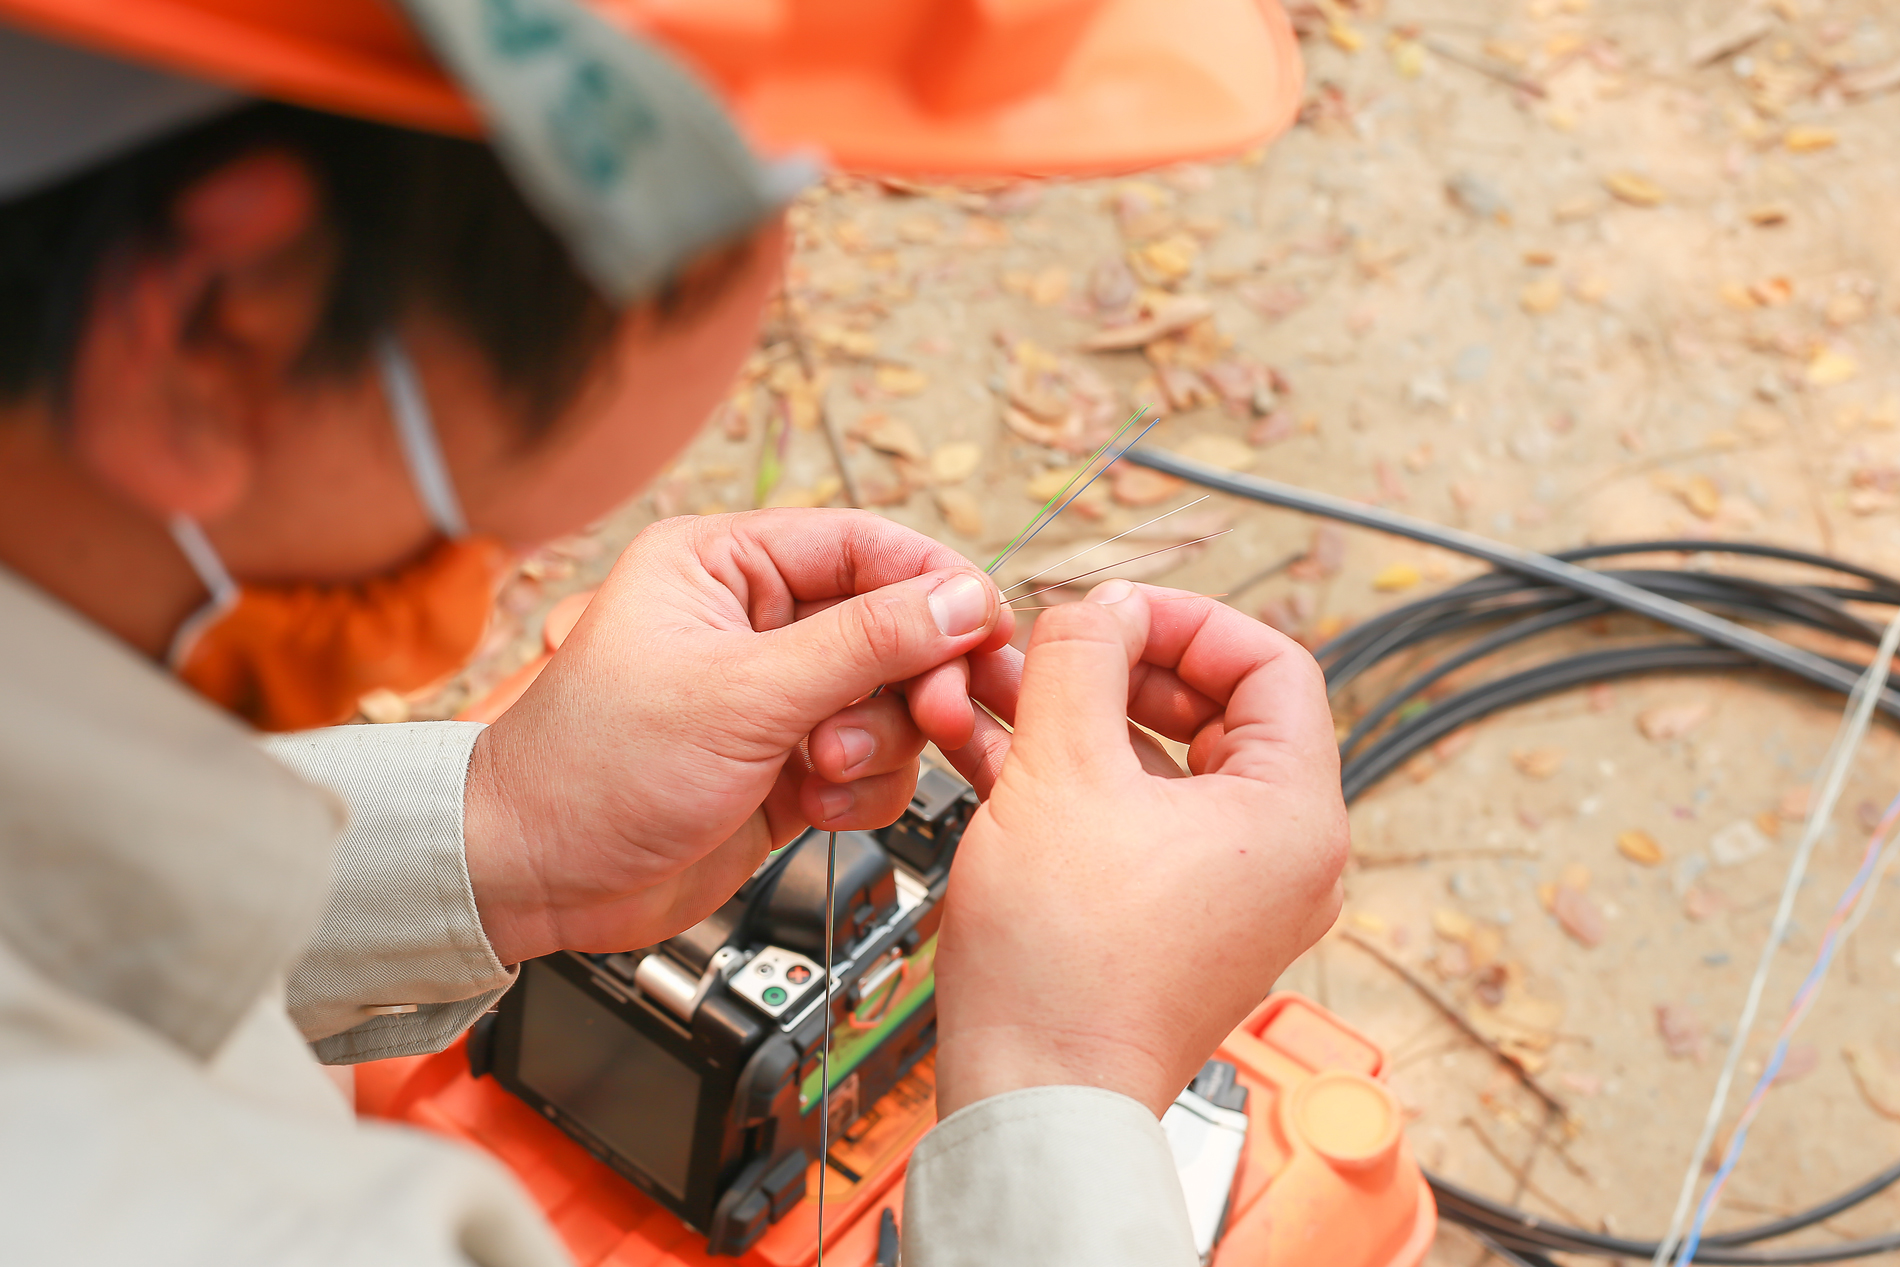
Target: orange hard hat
{"points": [[916, 86]]}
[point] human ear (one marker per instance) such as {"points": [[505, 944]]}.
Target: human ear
{"points": [[185, 341]]}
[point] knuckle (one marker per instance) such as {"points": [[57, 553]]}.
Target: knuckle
{"points": [[881, 629]]}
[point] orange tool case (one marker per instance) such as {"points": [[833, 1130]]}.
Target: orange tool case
{"points": [[1327, 1179]]}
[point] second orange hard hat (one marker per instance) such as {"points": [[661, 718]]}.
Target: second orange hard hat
{"points": [[901, 86]]}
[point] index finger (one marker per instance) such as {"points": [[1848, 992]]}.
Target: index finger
{"points": [[788, 563]]}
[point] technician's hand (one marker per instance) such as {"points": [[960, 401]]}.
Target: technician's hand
{"points": [[1106, 924], [710, 705]]}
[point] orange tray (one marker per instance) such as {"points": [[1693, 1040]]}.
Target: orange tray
{"points": [[1328, 1179]]}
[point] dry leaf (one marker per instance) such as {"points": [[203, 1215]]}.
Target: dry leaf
{"points": [[1169, 260], [1830, 367], [1845, 308], [1638, 191], [1138, 486], [1875, 1078], [1042, 487], [961, 510], [1640, 847], [954, 463], [1324, 556], [1218, 450], [1771, 292], [1165, 315], [1395, 577], [901, 380], [1538, 763], [1681, 1031], [1701, 496], [1579, 915], [891, 435], [819, 494], [1801, 1060], [1050, 287], [1702, 902], [1452, 925], [1542, 296], [920, 230], [383, 706], [1111, 286], [1810, 140], [1673, 720]]}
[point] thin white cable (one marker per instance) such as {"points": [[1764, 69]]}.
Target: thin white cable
{"points": [[1111, 541], [1840, 757]]}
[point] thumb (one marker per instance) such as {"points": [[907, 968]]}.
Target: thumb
{"points": [[849, 649], [1072, 712]]}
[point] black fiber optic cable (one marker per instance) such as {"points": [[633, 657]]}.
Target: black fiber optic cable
{"points": [[1532, 595]]}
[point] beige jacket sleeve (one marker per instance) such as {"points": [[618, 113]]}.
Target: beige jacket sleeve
{"points": [[401, 927], [1047, 1177]]}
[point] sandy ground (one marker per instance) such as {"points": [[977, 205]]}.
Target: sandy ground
{"points": [[1557, 271]]}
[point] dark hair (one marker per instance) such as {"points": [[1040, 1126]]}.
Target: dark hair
{"points": [[417, 221]]}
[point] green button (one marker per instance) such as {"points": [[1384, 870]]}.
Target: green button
{"points": [[773, 995]]}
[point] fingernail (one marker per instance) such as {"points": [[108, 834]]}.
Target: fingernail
{"points": [[858, 746], [835, 801], [1111, 592], [960, 605]]}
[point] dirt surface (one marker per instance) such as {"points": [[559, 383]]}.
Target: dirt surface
{"points": [[1557, 271]]}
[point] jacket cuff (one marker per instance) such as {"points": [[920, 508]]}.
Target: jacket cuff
{"points": [[1048, 1175], [399, 965]]}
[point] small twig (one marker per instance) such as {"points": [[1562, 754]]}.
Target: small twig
{"points": [[1457, 1017], [1483, 67], [1517, 1172], [801, 343]]}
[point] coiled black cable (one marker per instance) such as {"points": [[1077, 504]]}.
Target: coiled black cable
{"points": [[1512, 608]]}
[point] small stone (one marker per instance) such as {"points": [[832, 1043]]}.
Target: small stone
{"points": [[1737, 843]]}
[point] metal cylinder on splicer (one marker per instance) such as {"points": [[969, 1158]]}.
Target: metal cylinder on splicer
{"points": [[667, 984]]}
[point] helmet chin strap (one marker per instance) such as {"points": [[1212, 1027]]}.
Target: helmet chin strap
{"points": [[422, 456]]}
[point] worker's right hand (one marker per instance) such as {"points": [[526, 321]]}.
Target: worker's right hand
{"points": [[1107, 924]]}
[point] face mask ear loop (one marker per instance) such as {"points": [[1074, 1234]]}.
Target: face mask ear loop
{"points": [[415, 428], [204, 560]]}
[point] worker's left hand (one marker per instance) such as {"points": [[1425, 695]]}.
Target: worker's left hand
{"points": [[709, 706]]}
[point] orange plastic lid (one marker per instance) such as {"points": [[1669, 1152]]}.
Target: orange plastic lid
{"points": [[920, 86]]}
